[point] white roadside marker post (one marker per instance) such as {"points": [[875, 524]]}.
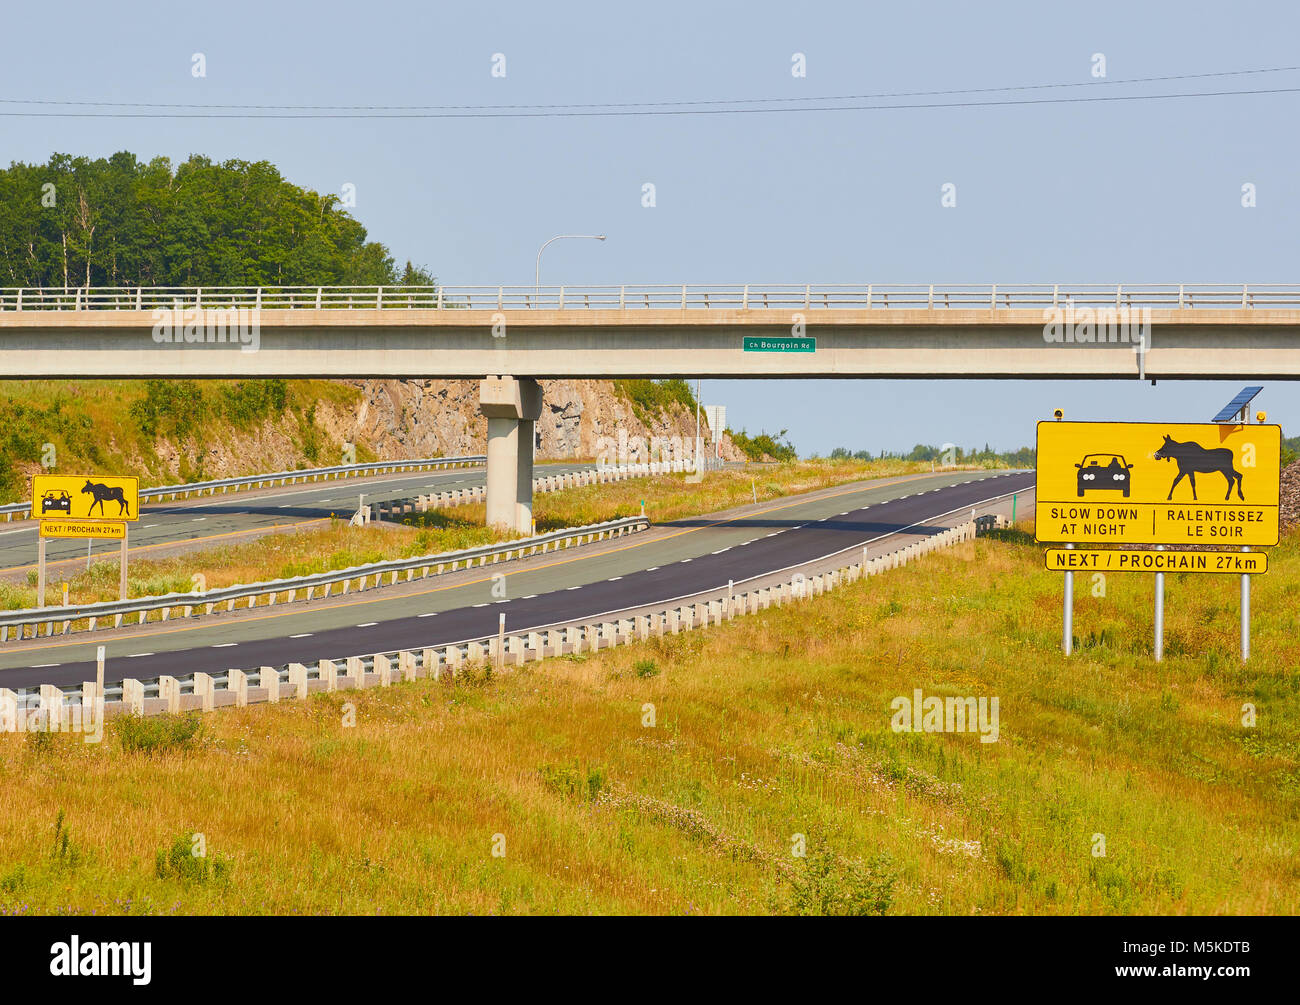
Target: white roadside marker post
{"points": [[501, 643], [99, 683]]}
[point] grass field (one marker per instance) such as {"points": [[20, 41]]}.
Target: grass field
{"points": [[336, 545], [774, 726]]}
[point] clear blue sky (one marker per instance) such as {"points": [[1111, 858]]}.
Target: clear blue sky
{"points": [[1129, 192]]}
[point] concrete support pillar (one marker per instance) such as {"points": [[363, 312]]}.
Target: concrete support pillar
{"points": [[512, 408]]}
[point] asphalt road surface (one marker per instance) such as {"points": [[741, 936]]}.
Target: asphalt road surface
{"points": [[166, 527], [669, 562]]}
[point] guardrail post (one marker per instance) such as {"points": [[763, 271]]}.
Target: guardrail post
{"points": [[52, 707], [329, 674], [169, 690], [205, 689], [133, 696], [237, 681], [298, 679], [269, 678], [356, 671]]}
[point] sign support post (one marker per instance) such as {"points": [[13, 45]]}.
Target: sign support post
{"points": [[40, 570], [1245, 616], [121, 574], [1067, 618], [1160, 612]]}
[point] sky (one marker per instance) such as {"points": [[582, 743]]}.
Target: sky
{"points": [[1129, 192]]}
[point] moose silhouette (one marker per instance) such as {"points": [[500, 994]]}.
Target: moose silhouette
{"points": [[1193, 458], [102, 492]]}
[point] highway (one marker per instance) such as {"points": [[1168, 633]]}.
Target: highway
{"points": [[672, 561], [167, 527]]}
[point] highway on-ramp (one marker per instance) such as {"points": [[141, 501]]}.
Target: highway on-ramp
{"points": [[671, 562]]}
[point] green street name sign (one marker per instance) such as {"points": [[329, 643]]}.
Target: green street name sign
{"points": [[758, 343]]}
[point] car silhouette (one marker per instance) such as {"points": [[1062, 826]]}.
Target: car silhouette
{"points": [[1103, 471], [56, 499]]}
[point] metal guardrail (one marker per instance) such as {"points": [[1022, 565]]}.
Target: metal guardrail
{"points": [[23, 509], [66, 617], [612, 629], [1032, 296]]}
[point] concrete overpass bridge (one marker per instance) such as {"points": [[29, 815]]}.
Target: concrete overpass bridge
{"points": [[512, 336]]}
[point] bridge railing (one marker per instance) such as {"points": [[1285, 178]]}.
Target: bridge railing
{"points": [[736, 297]]}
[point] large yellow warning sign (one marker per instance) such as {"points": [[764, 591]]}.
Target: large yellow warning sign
{"points": [[1157, 483], [77, 497]]}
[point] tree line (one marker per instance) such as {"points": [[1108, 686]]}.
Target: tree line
{"points": [[120, 221]]}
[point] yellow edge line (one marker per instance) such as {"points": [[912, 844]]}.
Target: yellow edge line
{"points": [[440, 589]]}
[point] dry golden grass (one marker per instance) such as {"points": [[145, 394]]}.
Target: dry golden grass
{"points": [[773, 726]]}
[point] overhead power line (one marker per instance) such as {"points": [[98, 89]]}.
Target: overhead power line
{"points": [[616, 112], [649, 104]]}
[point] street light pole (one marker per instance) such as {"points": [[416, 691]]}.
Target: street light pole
{"points": [[537, 275]]}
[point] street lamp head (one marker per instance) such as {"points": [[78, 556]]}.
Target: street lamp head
{"points": [[600, 237]]}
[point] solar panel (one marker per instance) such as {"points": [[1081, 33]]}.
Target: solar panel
{"points": [[1228, 412]]}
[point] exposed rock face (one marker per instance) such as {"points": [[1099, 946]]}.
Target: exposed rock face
{"points": [[420, 418]]}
